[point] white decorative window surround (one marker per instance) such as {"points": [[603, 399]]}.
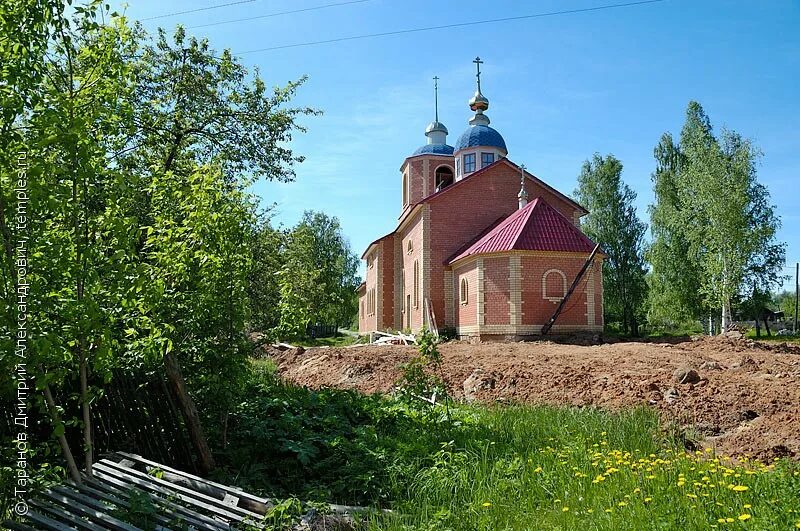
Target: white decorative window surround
{"points": [[464, 291], [554, 297]]}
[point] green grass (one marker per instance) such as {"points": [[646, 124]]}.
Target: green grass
{"points": [[493, 468], [338, 341], [751, 334], [555, 468]]}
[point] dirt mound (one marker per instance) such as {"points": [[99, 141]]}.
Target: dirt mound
{"points": [[743, 396]]}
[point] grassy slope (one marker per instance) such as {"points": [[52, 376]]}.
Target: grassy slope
{"points": [[500, 467]]}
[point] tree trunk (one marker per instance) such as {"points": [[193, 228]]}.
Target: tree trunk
{"points": [[88, 446], [196, 433], [766, 325], [758, 327], [726, 316], [62, 439]]}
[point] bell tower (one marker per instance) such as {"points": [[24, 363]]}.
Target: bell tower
{"points": [[430, 168]]}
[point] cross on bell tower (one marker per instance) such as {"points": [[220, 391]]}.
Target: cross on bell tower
{"points": [[479, 102], [478, 64], [522, 196]]}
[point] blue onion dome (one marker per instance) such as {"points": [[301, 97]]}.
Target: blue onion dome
{"points": [[480, 135], [433, 149]]}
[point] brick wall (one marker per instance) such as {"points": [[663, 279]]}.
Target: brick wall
{"points": [[412, 231], [466, 209], [387, 283], [542, 285], [466, 314], [496, 291], [369, 320], [421, 173]]}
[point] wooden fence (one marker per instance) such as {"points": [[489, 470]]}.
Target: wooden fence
{"points": [[136, 413]]}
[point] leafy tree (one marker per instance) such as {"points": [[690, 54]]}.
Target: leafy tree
{"points": [[612, 222], [195, 112], [319, 276], [78, 235], [143, 225], [263, 280], [713, 207], [784, 301], [673, 282]]}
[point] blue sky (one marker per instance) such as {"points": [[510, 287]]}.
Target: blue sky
{"points": [[561, 88]]}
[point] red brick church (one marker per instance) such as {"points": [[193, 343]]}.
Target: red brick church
{"points": [[488, 247]]}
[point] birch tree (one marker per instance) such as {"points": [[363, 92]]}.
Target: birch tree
{"points": [[724, 223]]}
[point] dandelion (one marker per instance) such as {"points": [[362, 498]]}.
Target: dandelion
{"points": [[566, 509], [721, 520], [748, 506], [487, 504], [730, 520], [622, 504], [744, 517], [648, 500], [739, 488], [537, 469]]}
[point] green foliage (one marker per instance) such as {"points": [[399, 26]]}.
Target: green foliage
{"points": [[674, 289], [318, 277], [140, 156], [713, 226], [342, 447], [785, 302], [420, 386], [263, 287], [612, 222]]}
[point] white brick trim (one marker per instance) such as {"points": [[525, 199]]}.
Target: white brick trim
{"points": [[479, 292], [515, 289]]}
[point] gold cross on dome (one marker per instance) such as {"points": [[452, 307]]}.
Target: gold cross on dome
{"points": [[478, 64]]}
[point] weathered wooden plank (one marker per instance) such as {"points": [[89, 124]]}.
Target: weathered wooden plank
{"points": [[63, 515], [153, 484], [168, 508], [87, 506], [44, 523], [16, 526], [216, 502], [253, 503]]}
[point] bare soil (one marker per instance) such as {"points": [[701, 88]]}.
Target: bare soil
{"points": [[743, 397]]}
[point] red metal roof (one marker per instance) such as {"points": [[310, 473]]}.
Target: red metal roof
{"points": [[536, 227]]}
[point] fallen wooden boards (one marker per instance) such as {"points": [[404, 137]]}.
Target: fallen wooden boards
{"points": [[180, 500]]}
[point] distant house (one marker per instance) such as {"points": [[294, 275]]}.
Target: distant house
{"points": [[471, 246]]}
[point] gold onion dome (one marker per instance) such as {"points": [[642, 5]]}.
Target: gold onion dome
{"points": [[479, 102]]}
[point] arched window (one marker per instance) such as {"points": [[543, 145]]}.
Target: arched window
{"points": [[416, 284], [405, 189], [409, 247], [443, 177], [554, 285], [464, 292]]}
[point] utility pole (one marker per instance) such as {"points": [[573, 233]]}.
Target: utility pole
{"points": [[796, 293]]}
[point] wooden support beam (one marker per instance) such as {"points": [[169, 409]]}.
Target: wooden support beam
{"points": [[546, 328]]}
